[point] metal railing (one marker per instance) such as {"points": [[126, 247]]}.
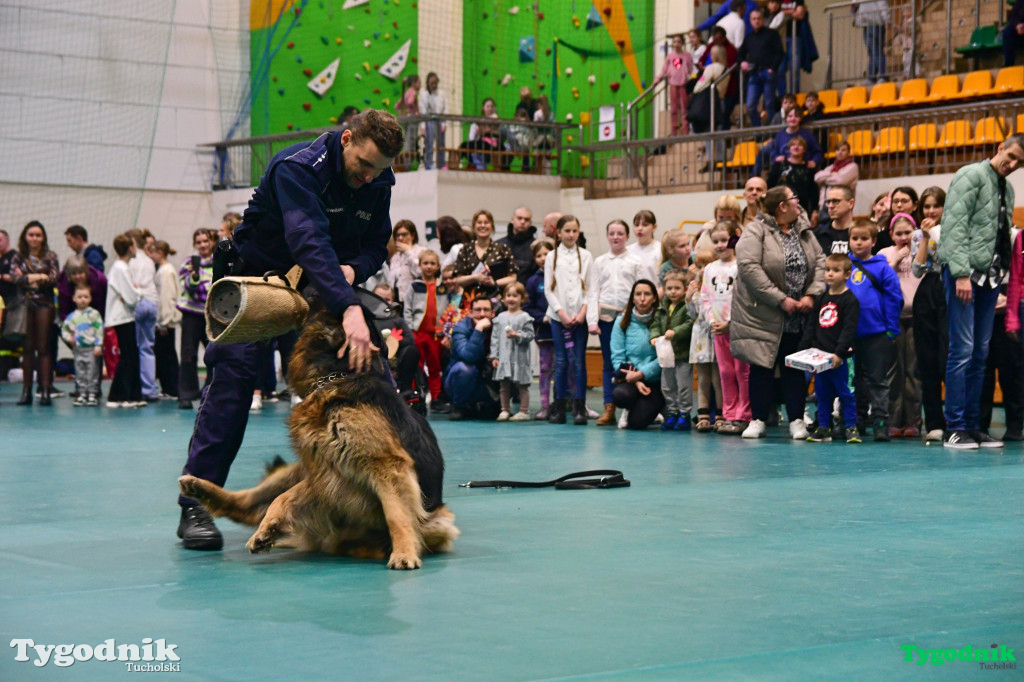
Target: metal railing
{"points": [[859, 54], [241, 162], [892, 144]]}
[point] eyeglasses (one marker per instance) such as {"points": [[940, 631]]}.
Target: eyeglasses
{"points": [[795, 199], [832, 202]]}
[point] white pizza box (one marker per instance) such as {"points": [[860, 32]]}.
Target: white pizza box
{"points": [[810, 360]]}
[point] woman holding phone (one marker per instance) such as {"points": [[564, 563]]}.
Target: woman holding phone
{"points": [[196, 278]]}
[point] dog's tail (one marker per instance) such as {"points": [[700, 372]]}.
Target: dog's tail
{"points": [[438, 530]]}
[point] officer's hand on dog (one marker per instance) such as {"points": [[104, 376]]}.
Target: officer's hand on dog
{"points": [[357, 339]]}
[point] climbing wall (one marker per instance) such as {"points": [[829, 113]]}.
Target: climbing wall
{"points": [[312, 58], [580, 54]]}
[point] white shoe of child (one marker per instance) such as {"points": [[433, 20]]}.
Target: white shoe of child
{"points": [[503, 416], [798, 429], [624, 419], [257, 403]]}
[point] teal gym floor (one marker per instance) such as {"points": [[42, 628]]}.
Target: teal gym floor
{"points": [[725, 560]]}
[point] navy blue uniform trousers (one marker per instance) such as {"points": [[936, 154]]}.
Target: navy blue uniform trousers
{"points": [[223, 411]]}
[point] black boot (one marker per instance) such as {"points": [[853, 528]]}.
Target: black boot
{"points": [[26, 395], [44, 396], [197, 531], [579, 412], [557, 412]]}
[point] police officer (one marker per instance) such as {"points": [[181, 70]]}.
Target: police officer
{"points": [[323, 205]]}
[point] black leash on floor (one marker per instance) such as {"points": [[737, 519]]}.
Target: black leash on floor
{"points": [[609, 478]]}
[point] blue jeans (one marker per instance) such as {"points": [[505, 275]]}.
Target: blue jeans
{"points": [[577, 336], [434, 142], [830, 384], [464, 386], [874, 40], [145, 337], [970, 330], [759, 82], [606, 355]]}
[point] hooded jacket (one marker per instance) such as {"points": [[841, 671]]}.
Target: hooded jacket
{"points": [[519, 244], [758, 320], [880, 306]]}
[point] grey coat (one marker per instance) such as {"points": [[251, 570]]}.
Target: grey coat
{"points": [[757, 316]]}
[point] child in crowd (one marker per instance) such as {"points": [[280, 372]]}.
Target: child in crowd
{"points": [[716, 307], [404, 264], [567, 272], [510, 352], [83, 332], [675, 254], [931, 333], [672, 321], [168, 317], [878, 290], [702, 351], [832, 329], [424, 301], [905, 394], [645, 248], [614, 275], [537, 306], [122, 297], [677, 69]]}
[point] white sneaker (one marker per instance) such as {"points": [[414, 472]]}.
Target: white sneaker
{"points": [[257, 403], [520, 417], [660, 419], [624, 419], [113, 404], [503, 416], [935, 435], [755, 429], [590, 413], [798, 429]]}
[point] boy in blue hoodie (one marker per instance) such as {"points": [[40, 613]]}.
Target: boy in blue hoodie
{"points": [[877, 288]]}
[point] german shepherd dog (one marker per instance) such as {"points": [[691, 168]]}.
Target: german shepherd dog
{"points": [[368, 480]]}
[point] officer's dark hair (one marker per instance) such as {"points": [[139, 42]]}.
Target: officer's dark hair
{"points": [[380, 127], [123, 243], [78, 232]]}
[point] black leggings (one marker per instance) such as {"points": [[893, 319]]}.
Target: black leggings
{"points": [[643, 409], [193, 332], [126, 386], [36, 357]]}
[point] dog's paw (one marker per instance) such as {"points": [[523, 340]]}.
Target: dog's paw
{"points": [[191, 486], [260, 543], [404, 562]]}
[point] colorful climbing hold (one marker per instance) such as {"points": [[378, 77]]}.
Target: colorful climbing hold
{"points": [[281, 92], [307, 106], [376, 91], [307, 72], [338, 41], [323, 39], [290, 126], [290, 45], [614, 86]]}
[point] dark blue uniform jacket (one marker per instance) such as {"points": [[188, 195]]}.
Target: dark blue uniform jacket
{"points": [[303, 212]]}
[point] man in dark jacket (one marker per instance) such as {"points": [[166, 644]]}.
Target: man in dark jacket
{"points": [[760, 56], [1013, 34], [468, 369], [521, 234], [323, 205]]}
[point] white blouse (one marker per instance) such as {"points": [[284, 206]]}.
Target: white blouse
{"points": [[566, 285]]}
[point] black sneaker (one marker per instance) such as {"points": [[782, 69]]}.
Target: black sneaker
{"points": [[852, 435], [986, 441], [458, 414], [197, 531], [960, 440], [1013, 435], [440, 406], [822, 434]]}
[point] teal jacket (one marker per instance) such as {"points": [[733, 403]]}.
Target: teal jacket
{"points": [[970, 219], [634, 345], [679, 322]]}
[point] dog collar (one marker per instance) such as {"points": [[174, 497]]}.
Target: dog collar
{"points": [[329, 379]]}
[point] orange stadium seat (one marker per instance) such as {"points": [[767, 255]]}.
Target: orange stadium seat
{"points": [[955, 134], [1020, 123], [882, 95], [829, 100], [991, 130], [743, 156], [890, 141], [801, 97], [944, 88], [854, 98], [834, 139], [1009, 80], [861, 142], [923, 137], [976, 84], [913, 91]]}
